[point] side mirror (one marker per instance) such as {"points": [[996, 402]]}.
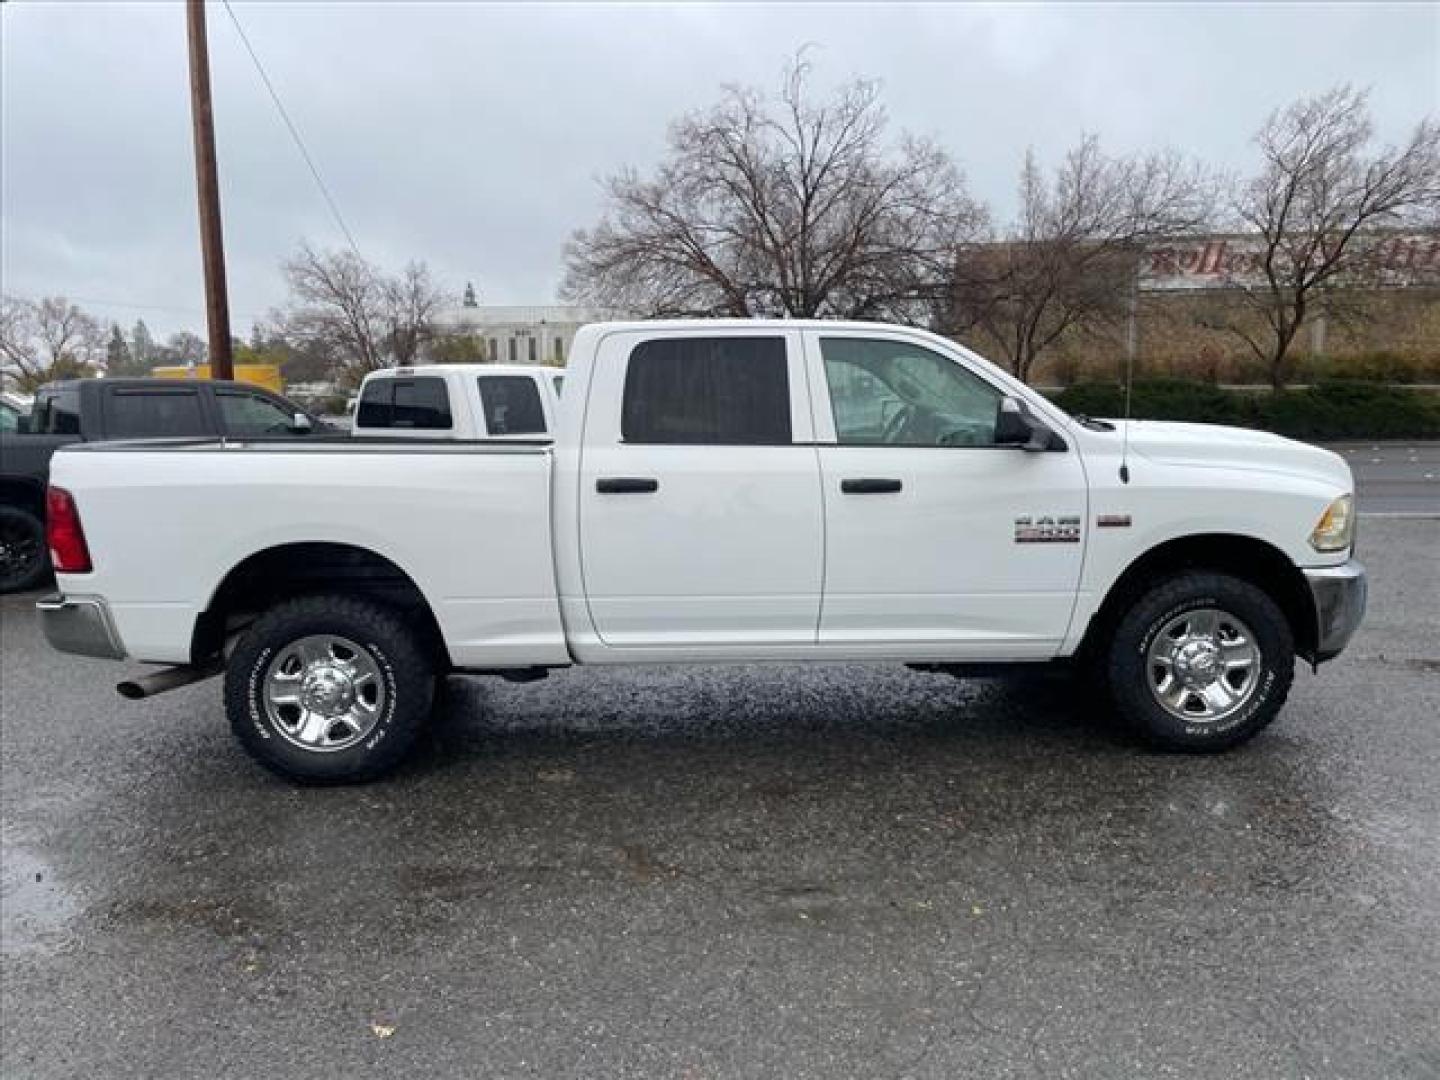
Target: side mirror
{"points": [[300, 424], [1016, 425]]}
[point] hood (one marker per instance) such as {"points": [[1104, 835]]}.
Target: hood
{"points": [[1214, 446]]}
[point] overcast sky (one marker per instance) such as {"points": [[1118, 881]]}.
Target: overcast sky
{"points": [[471, 136]]}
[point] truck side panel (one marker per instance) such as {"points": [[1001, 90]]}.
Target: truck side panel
{"points": [[472, 530]]}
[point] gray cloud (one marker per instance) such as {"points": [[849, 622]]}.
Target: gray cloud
{"points": [[472, 136]]}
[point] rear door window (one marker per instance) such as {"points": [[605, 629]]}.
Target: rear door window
{"points": [[512, 405], [726, 391], [419, 403], [153, 412]]}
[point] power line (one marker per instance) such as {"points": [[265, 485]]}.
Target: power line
{"points": [[294, 132]]}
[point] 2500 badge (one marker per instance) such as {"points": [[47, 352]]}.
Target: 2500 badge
{"points": [[1047, 529]]}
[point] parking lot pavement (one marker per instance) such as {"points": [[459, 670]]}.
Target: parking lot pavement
{"points": [[1394, 477], [783, 872]]}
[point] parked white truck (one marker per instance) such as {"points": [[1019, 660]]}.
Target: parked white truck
{"points": [[715, 492], [459, 401]]}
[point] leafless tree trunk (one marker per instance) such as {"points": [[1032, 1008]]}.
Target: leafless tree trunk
{"points": [[1317, 200], [343, 305], [413, 302], [48, 339], [1069, 261], [787, 206]]}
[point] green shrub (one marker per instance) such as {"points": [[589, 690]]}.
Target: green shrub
{"points": [[1349, 409], [1156, 399], [1333, 409]]}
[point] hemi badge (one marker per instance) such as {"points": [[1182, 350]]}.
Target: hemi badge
{"points": [[1113, 521]]}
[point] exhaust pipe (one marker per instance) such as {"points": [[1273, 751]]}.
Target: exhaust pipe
{"points": [[168, 679]]}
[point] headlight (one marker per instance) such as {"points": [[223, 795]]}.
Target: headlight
{"points": [[1336, 527]]}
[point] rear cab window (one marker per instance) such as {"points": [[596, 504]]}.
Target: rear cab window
{"points": [[718, 391], [412, 403], [512, 405], [153, 412]]}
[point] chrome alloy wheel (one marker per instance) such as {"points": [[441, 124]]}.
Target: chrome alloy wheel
{"points": [[1203, 665], [324, 692]]}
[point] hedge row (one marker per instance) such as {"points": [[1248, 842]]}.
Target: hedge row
{"points": [[1334, 409]]}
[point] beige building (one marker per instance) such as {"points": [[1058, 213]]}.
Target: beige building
{"points": [[523, 335]]}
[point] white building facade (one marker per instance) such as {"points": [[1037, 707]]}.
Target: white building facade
{"points": [[523, 335]]}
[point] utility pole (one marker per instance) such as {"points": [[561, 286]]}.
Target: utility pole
{"points": [[212, 245]]}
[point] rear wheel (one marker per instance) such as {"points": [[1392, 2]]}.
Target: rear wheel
{"points": [[1201, 662], [23, 558], [329, 689]]}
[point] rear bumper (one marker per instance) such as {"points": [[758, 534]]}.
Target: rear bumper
{"points": [[1339, 593], [80, 625]]}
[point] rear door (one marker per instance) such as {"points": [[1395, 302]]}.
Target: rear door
{"points": [[939, 543], [700, 515]]}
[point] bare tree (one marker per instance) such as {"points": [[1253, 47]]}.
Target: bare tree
{"points": [[412, 301], [48, 339], [18, 349], [1069, 261], [787, 206], [182, 348], [1318, 200], [345, 306]]}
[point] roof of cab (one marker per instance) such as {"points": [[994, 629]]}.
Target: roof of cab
{"points": [[745, 324], [463, 369]]}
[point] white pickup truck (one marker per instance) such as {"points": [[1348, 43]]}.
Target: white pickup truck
{"points": [[459, 401], [715, 492]]}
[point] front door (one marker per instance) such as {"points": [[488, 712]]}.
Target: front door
{"points": [[700, 517], [938, 542]]}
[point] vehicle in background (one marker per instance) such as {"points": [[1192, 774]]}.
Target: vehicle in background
{"points": [[14, 411], [716, 492], [460, 401], [265, 376], [91, 410]]}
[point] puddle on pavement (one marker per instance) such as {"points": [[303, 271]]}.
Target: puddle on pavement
{"points": [[35, 910]]}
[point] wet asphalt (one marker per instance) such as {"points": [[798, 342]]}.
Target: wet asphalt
{"points": [[839, 871]]}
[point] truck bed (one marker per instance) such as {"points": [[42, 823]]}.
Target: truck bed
{"points": [[471, 530]]}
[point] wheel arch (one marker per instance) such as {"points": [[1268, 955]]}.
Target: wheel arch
{"points": [[1248, 558], [285, 571]]}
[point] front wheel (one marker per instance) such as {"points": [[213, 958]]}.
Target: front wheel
{"points": [[1201, 662], [329, 689]]}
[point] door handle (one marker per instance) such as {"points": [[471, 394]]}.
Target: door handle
{"points": [[626, 485], [869, 486]]}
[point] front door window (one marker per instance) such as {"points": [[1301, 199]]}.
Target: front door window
{"points": [[893, 393]]}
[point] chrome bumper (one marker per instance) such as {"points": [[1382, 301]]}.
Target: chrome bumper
{"points": [[80, 625], [1339, 593]]}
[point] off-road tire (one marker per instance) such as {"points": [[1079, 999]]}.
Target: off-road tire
{"points": [[391, 641], [25, 533], [1127, 673]]}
